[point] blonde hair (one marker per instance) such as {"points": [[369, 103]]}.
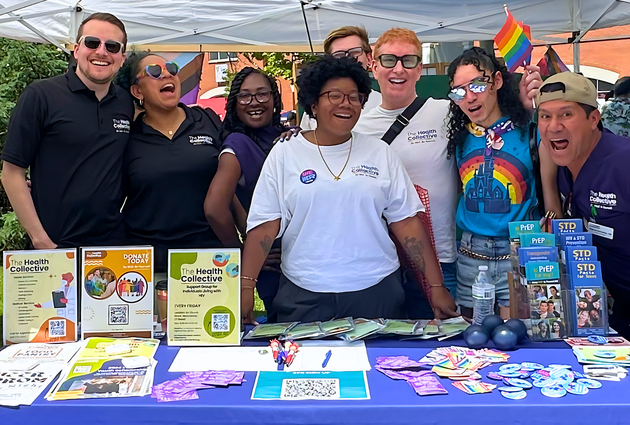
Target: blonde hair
{"points": [[348, 31], [401, 35]]}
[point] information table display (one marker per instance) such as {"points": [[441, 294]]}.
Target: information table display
{"points": [[391, 402]]}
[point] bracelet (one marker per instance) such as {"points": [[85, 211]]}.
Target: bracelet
{"points": [[440, 285], [250, 278]]}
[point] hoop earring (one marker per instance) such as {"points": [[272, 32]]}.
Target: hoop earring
{"points": [[141, 101]]}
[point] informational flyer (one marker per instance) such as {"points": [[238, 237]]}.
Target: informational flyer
{"points": [[40, 296], [117, 292], [27, 369], [204, 297], [311, 386]]}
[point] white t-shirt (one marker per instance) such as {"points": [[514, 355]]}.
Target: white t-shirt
{"points": [[422, 148], [374, 100], [334, 233]]}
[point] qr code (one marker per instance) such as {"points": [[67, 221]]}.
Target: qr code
{"points": [[57, 328], [118, 314], [220, 322], [300, 389]]}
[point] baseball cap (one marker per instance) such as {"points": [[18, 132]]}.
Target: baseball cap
{"points": [[576, 88]]}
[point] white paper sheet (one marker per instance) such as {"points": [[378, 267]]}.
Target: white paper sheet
{"points": [[345, 357]]}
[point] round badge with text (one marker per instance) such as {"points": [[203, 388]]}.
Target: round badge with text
{"points": [[308, 176]]}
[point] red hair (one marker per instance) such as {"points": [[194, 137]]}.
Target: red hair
{"points": [[400, 35]]}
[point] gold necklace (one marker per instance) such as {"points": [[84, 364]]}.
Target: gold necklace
{"points": [[338, 176]]}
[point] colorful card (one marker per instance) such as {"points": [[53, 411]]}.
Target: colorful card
{"points": [[518, 228], [117, 292], [204, 297], [538, 239], [567, 225], [40, 296], [537, 253], [575, 239], [543, 271], [589, 314]]}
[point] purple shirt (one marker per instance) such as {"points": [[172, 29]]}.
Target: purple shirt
{"points": [[601, 194], [251, 157]]}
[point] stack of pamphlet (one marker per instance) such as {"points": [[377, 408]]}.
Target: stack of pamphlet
{"points": [[108, 367], [27, 369]]}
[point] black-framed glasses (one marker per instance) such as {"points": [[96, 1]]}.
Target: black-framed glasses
{"points": [[355, 52], [261, 97], [477, 86], [92, 43], [407, 61], [158, 71], [337, 97]]}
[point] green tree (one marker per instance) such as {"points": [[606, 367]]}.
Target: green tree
{"points": [[21, 63]]}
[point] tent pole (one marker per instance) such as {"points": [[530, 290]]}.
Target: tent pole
{"points": [[576, 56], [576, 23], [308, 33]]}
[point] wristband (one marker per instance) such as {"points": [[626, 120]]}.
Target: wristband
{"points": [[440, 285], [250, 278]]}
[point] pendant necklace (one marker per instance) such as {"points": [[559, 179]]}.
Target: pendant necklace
{"points": [[338, 176]]}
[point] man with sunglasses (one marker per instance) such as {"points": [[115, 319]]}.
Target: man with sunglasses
{"points": [[348, 41], [592, 178], [71, 131], [421, 145]]}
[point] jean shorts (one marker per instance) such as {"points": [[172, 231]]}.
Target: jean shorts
{"points": [[468, 268]]}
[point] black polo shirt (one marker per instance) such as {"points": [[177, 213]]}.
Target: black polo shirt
{"points": [[74, 144], [166, 182]]}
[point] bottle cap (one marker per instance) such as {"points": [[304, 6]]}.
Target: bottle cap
{"points": [[483, 268]]}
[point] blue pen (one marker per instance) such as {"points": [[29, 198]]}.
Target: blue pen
{"points": [[328, 355]]}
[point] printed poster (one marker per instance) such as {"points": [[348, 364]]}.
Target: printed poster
{"points": [[40, 296], [117, 292], [204, 297]]}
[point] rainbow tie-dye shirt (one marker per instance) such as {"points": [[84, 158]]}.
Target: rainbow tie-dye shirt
{"points": [[498, 184]]}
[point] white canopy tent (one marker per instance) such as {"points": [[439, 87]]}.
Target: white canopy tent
{"points": [[294, 25]]}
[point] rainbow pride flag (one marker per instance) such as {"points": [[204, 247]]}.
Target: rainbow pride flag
{"points": [[513, 44], [551, 64]]}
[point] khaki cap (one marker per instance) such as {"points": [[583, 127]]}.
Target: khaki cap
{"points": [[577, 88]]}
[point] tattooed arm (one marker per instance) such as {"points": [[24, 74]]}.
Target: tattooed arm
{"points": [[257, 246], [416, 242]]}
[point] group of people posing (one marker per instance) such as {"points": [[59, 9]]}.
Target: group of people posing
{"points": [[319, 212]]}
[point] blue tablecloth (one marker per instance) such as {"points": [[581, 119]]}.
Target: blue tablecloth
{"points": [[392, 402]]}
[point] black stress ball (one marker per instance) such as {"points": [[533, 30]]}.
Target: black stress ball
{"points": [[476, 336], [504, 337], [491, 322], [519, 327]]}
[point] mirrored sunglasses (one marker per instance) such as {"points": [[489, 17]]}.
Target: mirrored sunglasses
{"points": [[390, 61], [93, 43], [353, 53], [158, 71], [477, 86]]}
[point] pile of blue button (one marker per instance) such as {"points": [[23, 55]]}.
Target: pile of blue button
{"points": [[555, 380]]}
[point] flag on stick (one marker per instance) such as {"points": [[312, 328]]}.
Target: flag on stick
{"points": [[513, 44], [551, 63]]}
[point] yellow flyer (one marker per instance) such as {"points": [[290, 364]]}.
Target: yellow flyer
{"points": [[117, 292], [204, 297], [40, 296]]}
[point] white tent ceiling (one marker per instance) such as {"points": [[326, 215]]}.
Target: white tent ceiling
{"points": [[279, 25]]}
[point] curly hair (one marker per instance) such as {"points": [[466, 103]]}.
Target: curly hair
{"points": [[316, 75], [507, 96], [233, 124], [127, 74]]}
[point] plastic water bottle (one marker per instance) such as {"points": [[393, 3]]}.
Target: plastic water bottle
{"points": [[483, 296]]}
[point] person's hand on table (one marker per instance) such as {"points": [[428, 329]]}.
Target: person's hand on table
{"points": [[247, 305], [272, 263], [443, 303]]}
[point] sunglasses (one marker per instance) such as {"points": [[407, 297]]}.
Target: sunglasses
{"points": [[408, 61], [477, 86], [158, 71], [337, 97], [93, 43], [246, 98], [353, 53]]}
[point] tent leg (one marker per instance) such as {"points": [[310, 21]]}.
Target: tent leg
{"points": [[576, 57]]}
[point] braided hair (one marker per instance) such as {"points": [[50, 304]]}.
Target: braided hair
{"points": [[232, 123], [507, 96]]}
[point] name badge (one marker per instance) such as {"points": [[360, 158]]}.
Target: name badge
{"points": [[599, 230]]}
